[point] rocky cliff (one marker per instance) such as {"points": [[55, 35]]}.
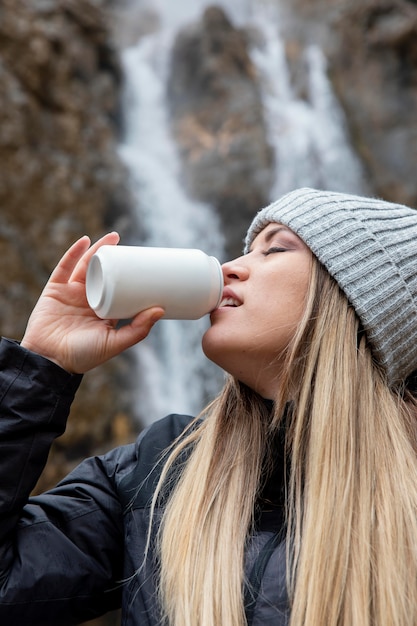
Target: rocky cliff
{"points": [[217, 120], [59, 179], [217, 114]]}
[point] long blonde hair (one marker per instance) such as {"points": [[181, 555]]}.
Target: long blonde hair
{"points": [[352, 492]]}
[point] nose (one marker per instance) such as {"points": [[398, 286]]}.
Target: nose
{"points": [[235, 270]]}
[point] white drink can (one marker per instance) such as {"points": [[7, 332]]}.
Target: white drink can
{"points": [[124, 280]]}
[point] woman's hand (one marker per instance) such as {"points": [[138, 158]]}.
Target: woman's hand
{"points": [[62, 326]]}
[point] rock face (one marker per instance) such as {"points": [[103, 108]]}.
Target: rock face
{"points": [[59, 174], [217, 117], [217, 120], [59, 179]]}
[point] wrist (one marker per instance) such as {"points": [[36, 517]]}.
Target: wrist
{"points": [[14, 356], [31, 347]]}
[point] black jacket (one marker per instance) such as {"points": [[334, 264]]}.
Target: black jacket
{"points": [[76, 551]]}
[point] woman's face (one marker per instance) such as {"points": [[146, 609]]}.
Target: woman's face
{"points": [[263, 302]]}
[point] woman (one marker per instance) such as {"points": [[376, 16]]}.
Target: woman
{"points": [[291, 500]]}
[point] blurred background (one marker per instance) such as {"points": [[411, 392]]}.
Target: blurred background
{"points": [[174, 122]]}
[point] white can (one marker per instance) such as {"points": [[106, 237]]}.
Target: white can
{"points": [[124, 280]]}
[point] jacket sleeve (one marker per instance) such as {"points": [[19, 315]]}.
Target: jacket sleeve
{"points": [[60, 553]]}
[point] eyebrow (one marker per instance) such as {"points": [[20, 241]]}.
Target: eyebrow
{"points": [[274, 231]]}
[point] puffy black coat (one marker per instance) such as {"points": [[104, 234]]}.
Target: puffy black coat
{"points": [[76, 551]]}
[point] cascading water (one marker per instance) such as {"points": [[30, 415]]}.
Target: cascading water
{"points": [[174, 374], [309, 135], [311, 147]]}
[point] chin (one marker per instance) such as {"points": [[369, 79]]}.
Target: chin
{"points": [[209, 347], [215, 349]]}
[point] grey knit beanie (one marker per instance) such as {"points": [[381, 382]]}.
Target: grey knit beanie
{"points": [[370, 247]]}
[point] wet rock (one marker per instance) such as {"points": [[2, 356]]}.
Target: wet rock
{"points": [[60, 178], [217, 120]]}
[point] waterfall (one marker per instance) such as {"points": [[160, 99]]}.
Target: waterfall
{"points": [[311, 145], [309, 135], [174, 375]]}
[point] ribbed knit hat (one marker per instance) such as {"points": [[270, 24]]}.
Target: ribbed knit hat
{"points": [[370, 247]]}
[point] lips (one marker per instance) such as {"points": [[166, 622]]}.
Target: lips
{"points": [[229, 299], [230, 302]]}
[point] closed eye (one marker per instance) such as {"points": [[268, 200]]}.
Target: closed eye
{"points": [[273, 250]]}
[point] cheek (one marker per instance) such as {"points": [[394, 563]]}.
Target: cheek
{"points": [[287, 304]]}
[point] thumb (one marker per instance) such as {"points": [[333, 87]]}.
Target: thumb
{"points": [[139, 328]]}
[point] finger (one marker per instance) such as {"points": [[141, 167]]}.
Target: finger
{"points": [[143, 321], [138, 329], [67, 263], [80, 269]]}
